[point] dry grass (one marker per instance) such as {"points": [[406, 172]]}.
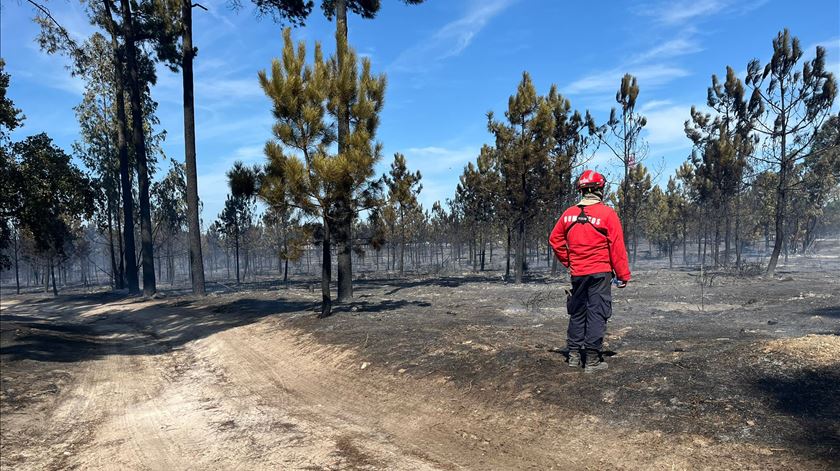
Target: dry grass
{"points": [[822, 350]]}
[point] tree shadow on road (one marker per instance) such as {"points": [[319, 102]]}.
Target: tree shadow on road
{"points": [[443, 282], [379, 306], [828, 311], [63, 334], [809, 402]]}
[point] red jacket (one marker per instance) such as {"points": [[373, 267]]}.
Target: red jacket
{"points": [[594, 244]]}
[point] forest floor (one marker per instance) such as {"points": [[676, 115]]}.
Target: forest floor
{"points": [[458, 372]]}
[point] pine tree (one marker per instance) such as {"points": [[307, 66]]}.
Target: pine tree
{"points": [[403, 188], [524, 143], [237, 216], [796, 102], [129, 250], [296, 12], [478, 194], [188, 53], [302, 97], [734, 122], [821, 176], [621, 134], [632, 196]]}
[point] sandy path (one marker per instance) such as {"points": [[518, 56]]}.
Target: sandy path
{"points": [[261, 396]]}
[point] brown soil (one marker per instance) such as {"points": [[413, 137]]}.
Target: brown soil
{"points": [[441, 373]]}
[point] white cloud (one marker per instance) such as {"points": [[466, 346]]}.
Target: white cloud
{"points": [[673, 48], [452, 39], [665, 127], [681, 11], [652, 75], [671, 12], [440, 161], [213, 185], [212, 191], [653, 67], [652, 105]]}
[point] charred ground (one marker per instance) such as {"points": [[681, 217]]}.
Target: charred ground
{"points": [[746, 377]]}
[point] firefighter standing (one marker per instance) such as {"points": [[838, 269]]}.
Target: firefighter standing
{"points": [[588, 240]]}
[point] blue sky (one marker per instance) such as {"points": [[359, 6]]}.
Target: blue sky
{"points": [[448, 62]]}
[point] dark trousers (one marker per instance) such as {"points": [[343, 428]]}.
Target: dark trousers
{"points": [[589, 306]]}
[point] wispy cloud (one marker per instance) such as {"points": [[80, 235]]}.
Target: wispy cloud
{"points": [[451, 39], [672, 12], [213, 186], [665, 125], [687, 44], [652, 75], [434, 160], [653, 67]]}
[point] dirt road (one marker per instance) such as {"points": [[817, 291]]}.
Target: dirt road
{"points": [[438, 374]]}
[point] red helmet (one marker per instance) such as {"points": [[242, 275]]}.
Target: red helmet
{"points": [[591, 179]]}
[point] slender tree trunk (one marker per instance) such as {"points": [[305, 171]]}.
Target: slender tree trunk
{"points": [[236, 253], [52, 273], [129, 249], [715, 249], [520, 251], [111, 253], [402, 242], [188, 54], [326, 273], [727, 235], [781, 190], [344, 213], [738, 247], [670, 254], [227, 261], [139, 139], [17, 261], [507, 255], [171, 265], [483, 244], [121, 255]]}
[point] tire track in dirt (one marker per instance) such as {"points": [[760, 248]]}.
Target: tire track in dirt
{"points": [[265, 396], [427, 421]]}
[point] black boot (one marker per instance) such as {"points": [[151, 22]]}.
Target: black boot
{"points": [[574, 358], [594, 362]]}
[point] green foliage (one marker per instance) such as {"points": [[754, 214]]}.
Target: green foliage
{"points": [[632, 196], [10, 117], [169, 204], [305, 100], [570, 142], [524, 143], [621, 135], [665, 212], [403, 188], [296, 12], [53, 194], [236, 217], [796, 102], [478, 193]]}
